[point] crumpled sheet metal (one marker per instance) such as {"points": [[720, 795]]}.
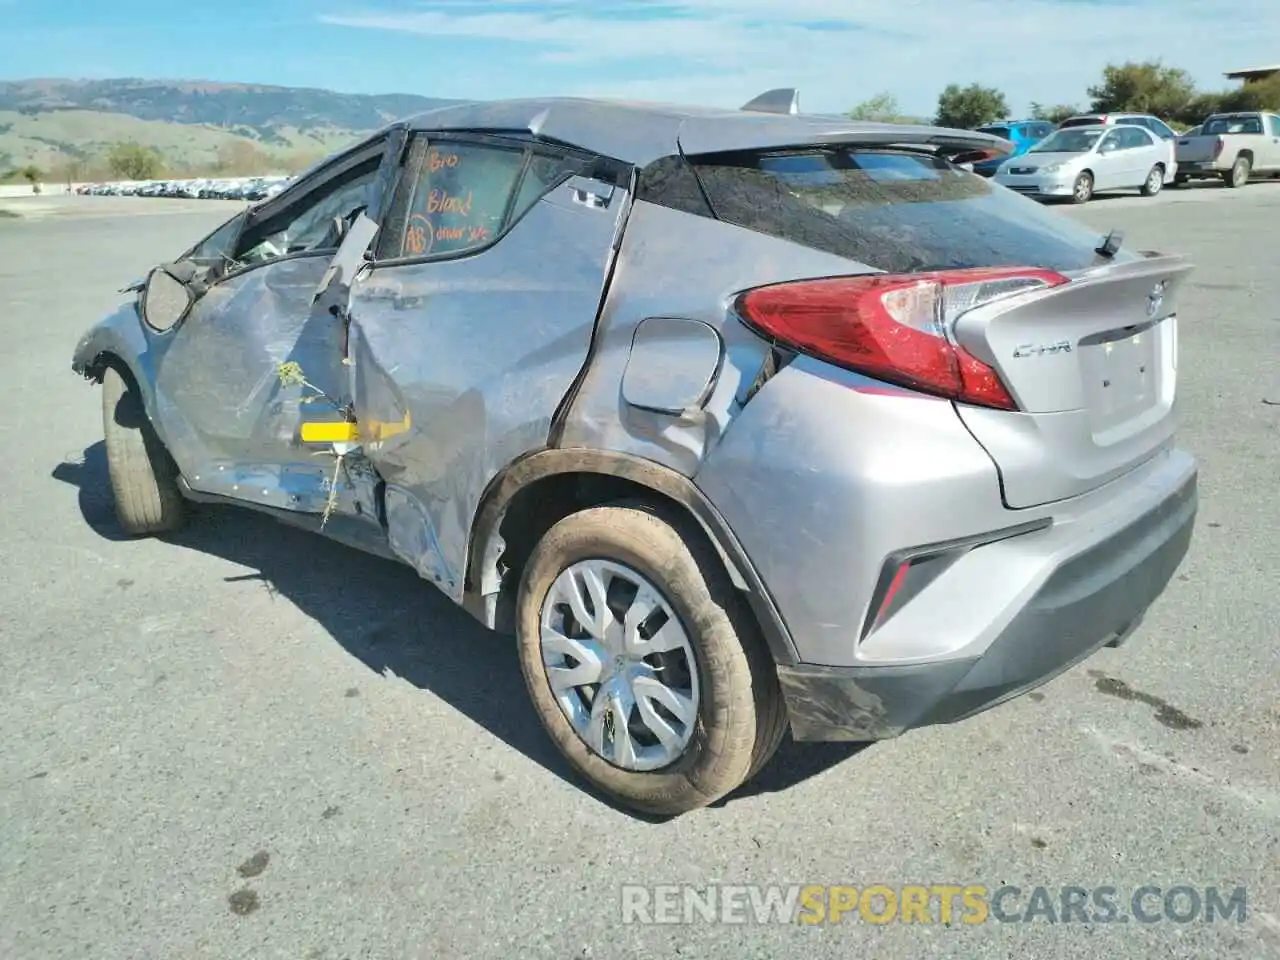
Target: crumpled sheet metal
{"points": [[228, 420], [478, 353], [674, 264]]}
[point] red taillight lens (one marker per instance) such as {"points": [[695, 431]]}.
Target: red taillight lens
{"points": [[893, 327], [1218, 144]]}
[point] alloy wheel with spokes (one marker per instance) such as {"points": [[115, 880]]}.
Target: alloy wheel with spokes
{"points": [[1154, 182], [620, 664], [643, 664], [1082, 189]]}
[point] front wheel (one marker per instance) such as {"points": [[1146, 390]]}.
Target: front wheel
{"points": [[1082, 189], [144, 478], [1154, 182], [641, 661]]}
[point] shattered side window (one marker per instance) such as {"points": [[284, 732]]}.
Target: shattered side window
{"points": [[461, 198], [216, 249], [318, 222]]}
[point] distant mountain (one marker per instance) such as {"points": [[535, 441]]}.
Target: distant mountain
{"points": [[233, 106], [50, 121]]}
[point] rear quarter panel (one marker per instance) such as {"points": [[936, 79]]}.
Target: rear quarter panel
{"points": [[677, 265]]}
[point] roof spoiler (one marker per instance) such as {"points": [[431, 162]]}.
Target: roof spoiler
{"points": [[781, 100]]}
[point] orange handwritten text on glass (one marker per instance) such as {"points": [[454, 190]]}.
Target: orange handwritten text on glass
{"points": [[441, 201], [441, 161]]}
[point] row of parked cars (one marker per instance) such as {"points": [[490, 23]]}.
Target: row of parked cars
{"points": [[1096, 153], [251, 188]]}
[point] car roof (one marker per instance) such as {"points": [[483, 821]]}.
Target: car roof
{"points": [[640, 132]]}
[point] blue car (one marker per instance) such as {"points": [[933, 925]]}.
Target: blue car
{"points": [[1023, 134]]}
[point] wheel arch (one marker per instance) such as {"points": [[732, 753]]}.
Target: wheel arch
{"points": [[534, 492]]}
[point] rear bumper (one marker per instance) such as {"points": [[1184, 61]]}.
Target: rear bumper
{"points": [[1093, 598], [1197, 169]]}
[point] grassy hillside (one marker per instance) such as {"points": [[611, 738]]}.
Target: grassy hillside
{"points": [[66, 126]]}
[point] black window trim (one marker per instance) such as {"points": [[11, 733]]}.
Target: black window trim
{"points": [[597, 167]]}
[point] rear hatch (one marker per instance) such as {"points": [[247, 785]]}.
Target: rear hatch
{"points": [[1092, 365], [1070, 385]]}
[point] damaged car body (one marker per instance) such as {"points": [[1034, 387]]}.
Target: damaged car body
{"points": [[741, 421]]}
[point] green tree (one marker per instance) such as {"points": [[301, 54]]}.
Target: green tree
{"points": [[971, 106], [1054, 113], [1148, 87], [882, 108], [132, 161], [1199, 107], [1259, 95]]}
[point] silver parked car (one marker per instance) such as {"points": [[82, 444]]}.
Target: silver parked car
{"points": [[1077, 162], [740, 421]]}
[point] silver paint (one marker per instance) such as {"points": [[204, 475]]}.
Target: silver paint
{"points": [[479, 352], [672, 366]]}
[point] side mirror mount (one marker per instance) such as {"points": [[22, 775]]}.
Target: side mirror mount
{"points": [[166, 298]]}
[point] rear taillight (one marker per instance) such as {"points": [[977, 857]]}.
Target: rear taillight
{"points": [[1218, 144], [893, 327]]}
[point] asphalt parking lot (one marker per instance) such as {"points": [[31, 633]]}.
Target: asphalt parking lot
{"points": [[248, 742]]}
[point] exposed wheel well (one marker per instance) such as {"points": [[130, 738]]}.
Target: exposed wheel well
{"points": [[510, 524], [96, 369], [537, 507], [1246, 154]]}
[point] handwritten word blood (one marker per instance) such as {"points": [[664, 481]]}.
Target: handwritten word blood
{"points": [[441, 201], [441, 161]]}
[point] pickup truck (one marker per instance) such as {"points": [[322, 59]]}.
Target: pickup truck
{"points": [[1231, 147]]}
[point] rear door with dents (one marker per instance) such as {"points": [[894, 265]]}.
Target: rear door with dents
{"points": [[473, 324]]}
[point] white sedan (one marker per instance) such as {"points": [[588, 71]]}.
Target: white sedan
{"points": [[1077, 162]]}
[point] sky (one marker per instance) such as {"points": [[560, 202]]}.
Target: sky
{"points": [[717, 52]]}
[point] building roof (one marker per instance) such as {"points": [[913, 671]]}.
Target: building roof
{"points": [[639, 133], [1253, 72]]}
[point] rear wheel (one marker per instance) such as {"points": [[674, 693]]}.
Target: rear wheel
{"points": [[144, 478], [1082, 189], [1154, 182], [1238, 175], [641, 662]]}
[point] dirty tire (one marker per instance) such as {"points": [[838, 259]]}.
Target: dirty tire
{"points": [[1238, 175], [1082, 189], [143, 475], [1154, 182], [741, 715]]}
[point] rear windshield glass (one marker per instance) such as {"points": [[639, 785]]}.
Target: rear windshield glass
{"points": [[1217, 125], [894, 211], [1003, 132]]}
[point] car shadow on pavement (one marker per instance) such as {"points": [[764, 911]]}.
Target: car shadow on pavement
{"points": [[383, 614]]}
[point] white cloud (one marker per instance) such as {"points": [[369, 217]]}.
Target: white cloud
{"points": [[726, 51]]}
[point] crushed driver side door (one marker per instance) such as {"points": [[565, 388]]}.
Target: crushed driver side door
{"points": [[261, 352]]}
